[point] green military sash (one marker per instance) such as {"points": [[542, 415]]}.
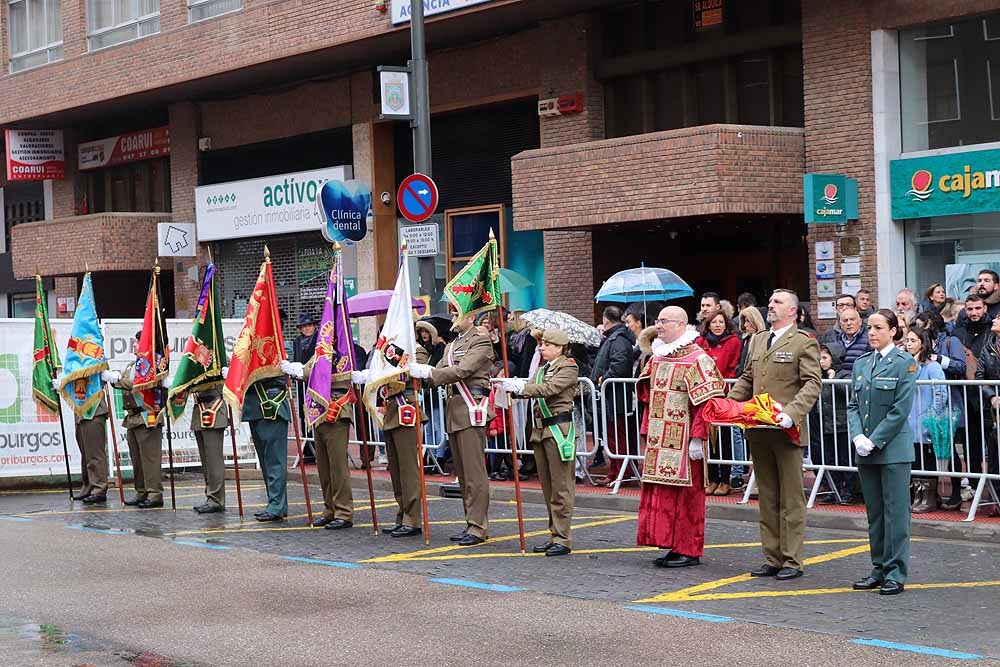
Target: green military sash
{"points": [[566, 443], [269, 406]]}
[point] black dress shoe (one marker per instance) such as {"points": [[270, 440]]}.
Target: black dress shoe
{"points": [[209, 508], [260, 513], [557, 550], [94, 499], [458, 538], [786, 573], [471, 540], [148, 504], [890, 587], [81, 495], [267, 516], [134, 500], [389, 531], [662, 560], [405, 531], [322, 521], [541, 548], [338, 524], [867, 584], [680, 560], [765, 570]]}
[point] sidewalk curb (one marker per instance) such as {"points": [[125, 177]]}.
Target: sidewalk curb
{"points": [[941, 530]]}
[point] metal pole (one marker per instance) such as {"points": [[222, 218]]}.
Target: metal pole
{"points": [[421, 124]]}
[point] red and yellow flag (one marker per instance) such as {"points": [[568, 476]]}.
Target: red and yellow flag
{"points": [[260, 346], [152, 354]]}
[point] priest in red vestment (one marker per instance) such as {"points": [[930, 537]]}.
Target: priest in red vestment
{"points": [[676, 382]]}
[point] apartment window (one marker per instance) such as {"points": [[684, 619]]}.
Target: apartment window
{"points": [[35, 33], [949, 79], [199, 10], [140, 187], [115, 21]]}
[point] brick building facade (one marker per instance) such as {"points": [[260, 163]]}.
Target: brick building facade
{"points": [[675, 156]]}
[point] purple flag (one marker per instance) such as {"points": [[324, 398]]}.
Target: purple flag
{"points": [[334, 358]]}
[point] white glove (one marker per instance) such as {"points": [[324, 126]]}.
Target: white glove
{"points": [[420, 371], [361, 377], [784, 421], [696, 449], [57, 383], [291, 368], [111, 377], [863, 445], [513, 385], [225, 372]]}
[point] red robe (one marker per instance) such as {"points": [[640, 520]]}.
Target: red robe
{"points": [[672, 503]]}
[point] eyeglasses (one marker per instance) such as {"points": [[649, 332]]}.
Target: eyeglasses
{"points": [[669, 321]]}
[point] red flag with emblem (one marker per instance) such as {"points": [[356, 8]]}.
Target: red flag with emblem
{"points": [[152, 354], [260, 346]]}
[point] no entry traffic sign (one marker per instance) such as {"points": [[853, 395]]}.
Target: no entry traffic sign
{"points": [[417, 197]]}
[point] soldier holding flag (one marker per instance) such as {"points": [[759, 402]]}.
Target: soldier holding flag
{"points": [[465, 370]]}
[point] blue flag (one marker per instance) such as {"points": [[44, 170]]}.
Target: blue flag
{"points": [[84, 360]]}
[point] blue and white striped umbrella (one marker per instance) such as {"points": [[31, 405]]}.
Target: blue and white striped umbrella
{"points": [[643, 284]]}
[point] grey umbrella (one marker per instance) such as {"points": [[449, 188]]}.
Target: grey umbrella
{"points": [[578, 332]]}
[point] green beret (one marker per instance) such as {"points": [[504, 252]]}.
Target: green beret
{"points": [[555, 337]]}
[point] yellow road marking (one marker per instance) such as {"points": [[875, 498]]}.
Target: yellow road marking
{"points": [[697, 592], [506, 538]]}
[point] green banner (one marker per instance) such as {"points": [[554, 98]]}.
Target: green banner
{"points": [[951, 184], [476, 287]]}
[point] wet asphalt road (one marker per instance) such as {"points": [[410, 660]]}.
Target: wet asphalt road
{"points": [[117, 586]]}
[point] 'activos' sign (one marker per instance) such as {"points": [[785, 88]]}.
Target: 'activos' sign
{"points": [[280, 204], [950, 184]]}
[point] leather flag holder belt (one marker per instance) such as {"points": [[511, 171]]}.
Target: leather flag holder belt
{"points": [[564, 418]]}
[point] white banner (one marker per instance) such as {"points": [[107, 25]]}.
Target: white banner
{"points": [[401, 8], [263, 206], [30, 439]]}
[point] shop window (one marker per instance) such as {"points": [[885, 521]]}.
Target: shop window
{"points": [[112, 22], [140, 187], [35, 33], [468, 230], [199, 10], [948, 86], [21, 305], [950, 250]]}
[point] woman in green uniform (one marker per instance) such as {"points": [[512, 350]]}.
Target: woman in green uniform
{"points": [[553, 436], [882, 387]]}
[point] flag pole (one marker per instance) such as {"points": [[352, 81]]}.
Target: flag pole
{"points": [[288, 391], [236, 461], [114, 443], [166, 412], [40, 292], [420, 431], [512, 438], [362, 428]]}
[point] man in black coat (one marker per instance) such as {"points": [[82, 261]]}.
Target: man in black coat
{"points": [[614, 360], [303, 349]]}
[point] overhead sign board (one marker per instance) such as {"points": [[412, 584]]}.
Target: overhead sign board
{"points": [[175, 239], [280, 204], [35, 155], [829, 198], [950, 184], [128, 147], [421, 240], [401, 8], [417, 197], [344, 209]]}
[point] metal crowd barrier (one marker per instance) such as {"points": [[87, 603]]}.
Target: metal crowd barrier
{"points": [[828, 449]]}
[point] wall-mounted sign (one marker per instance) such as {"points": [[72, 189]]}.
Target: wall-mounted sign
{"points": [[561, 106], [35, 155], [707, 13], [394, 89], [261, 206], [128, 147], [950, 184], [401, 8], [829, 198], [344, 209], [421, 240], [175, 239]]}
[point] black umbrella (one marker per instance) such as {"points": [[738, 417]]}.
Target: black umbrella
{"points": [[440, 322]]}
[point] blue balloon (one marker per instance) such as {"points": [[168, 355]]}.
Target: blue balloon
{"points": [[344, 209]]}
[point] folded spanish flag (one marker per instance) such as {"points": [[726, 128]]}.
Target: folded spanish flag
{"points": [[761, 410]]}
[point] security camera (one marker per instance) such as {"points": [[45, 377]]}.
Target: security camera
{"points": [[386, 198]]}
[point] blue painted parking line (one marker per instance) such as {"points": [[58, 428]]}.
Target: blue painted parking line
{"points": [[328, 563], [496, 588], [203, 545], [19, 519], [680, 613], [915, 648]]}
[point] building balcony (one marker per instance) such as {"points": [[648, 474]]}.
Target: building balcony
{"points": [[98, 242], [706, 170]]}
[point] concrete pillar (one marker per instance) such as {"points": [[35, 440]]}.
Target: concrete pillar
{"points": [[184, 130]]}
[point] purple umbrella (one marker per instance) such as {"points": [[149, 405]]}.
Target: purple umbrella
{"points": [[376, 303]]}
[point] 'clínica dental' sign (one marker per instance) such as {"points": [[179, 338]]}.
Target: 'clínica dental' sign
{"points": [[950, 184], [280, 204]]}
